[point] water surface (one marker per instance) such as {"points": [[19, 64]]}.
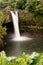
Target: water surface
{"points": [[17, 48]]}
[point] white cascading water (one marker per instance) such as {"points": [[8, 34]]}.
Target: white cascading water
{"points": [[15, 23], [17, 36]]}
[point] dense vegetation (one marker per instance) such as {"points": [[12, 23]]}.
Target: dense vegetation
{"points": [[25, 59], [2, 29], [35, 6]]}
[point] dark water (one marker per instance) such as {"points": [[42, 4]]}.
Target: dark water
{"points": [[17, 48]]}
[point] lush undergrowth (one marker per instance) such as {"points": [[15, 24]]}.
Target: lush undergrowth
{"points": [[2, 29], [24, 59]]}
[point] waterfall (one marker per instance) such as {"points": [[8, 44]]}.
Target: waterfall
{"points": [[15, 23], [17, 36]]}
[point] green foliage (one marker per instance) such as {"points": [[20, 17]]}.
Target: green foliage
{"points": [[1, 16], [25, 59], [34, 6], [5, 3], [38, 20], [2, 29], [20, 4]]}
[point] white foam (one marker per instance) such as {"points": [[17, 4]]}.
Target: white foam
{"points": [[21, 38]]}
